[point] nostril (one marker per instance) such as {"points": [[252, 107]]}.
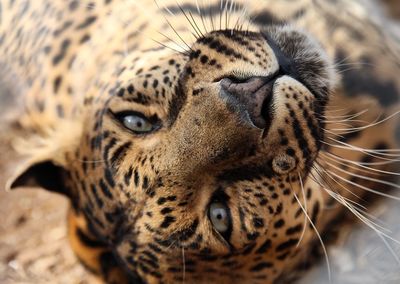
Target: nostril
{"points": [[251, 98]]}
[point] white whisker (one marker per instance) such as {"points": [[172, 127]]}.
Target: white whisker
{"points": [[356, 211], [374, 123], [201, 16], [364, 187], [318, 235], [365, 177], [368, 152], [358, 164], [305, 207]]}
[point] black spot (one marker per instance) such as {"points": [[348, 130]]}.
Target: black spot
{"points": [[314, 213], [105, 189], [98, 200], [279, 224], [258, 222], [296, 229], [65, 26], [120, 153], [283, 256], [88, 21], [166, 210], [253, 236], [145, 183], [84, 39], [128, 176], [136, 178], [155, 83], [204, 59], [109, 177], [168, 220], [63, 50], [73, 5], [261, 266], [287, 245], [57, 83]]}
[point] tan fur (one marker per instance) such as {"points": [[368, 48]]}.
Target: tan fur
{"points": [[208, 144]]}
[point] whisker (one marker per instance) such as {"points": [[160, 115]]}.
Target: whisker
{"points": [[351, 166], [200, 34], [359, 164], [351, 116], [230, 12], [356, 211], [369, 152], [197, 36], [339, 184], [171, 26], [358, 214], [226, 14], [375, 123], [365, 220], [390, 249], [241, 19], [365, 177], [201, 15], [169, 47], [220, 14], [305, 207], [364, 187], [318, 235], [211, 18]]}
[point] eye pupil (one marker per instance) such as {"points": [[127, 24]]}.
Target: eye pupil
{"points": [[219, 217], [137, 123]]}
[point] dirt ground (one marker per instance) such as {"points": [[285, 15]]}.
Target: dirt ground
{"points": [[33, 244]]}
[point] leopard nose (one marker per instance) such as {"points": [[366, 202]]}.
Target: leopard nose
{"points": [[251, 98]]}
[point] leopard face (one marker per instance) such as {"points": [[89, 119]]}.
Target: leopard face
{"points": [[190, 163]]}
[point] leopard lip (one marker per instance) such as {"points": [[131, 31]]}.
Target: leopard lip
{"points": [[267, 110]]}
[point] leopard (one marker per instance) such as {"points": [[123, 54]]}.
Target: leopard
{"points": [[203, 141]]}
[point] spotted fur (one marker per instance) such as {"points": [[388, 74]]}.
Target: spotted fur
{"points": [[201, 73]]}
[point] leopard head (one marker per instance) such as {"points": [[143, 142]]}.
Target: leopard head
{"points": [[189, 165]]}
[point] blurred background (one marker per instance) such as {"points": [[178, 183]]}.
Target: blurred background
{"points": [[34, 248]]}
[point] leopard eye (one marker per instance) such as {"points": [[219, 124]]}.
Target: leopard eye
{"points": [[137, 124], [220, 217]]}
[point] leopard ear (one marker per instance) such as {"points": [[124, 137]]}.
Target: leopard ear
{"points": [[46, 163], [44, 173]]}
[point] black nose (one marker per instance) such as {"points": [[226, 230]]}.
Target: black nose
{"points": [[251, 98]]}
